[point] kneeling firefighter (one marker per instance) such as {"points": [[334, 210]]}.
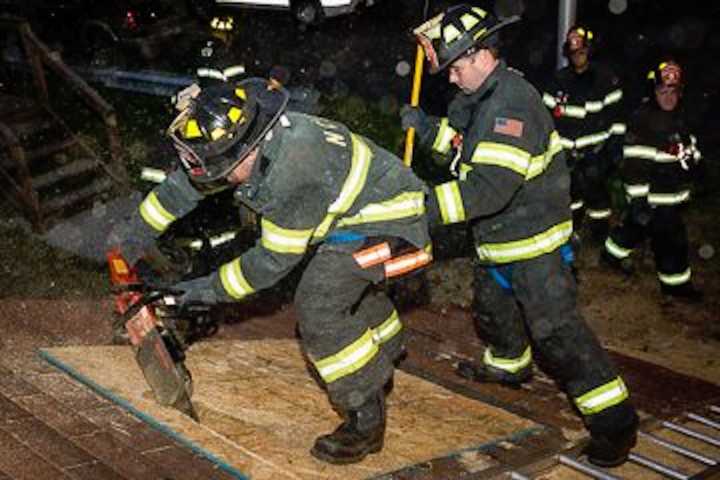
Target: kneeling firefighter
{"points": [[324, 194], [513, 190]]}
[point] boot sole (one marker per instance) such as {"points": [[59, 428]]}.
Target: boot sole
{"points": [[325, 457]]}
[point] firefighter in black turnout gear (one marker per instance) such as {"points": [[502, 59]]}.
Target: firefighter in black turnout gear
{"points": [[513, 190], [661, 155], [585, 99], [322, 192]]}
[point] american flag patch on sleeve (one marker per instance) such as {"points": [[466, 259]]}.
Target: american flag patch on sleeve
{"points": [[508, 126]]}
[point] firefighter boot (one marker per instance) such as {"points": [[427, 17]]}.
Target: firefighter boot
{"points": [[362, 433], [626, 266], [685, 292], [610, 448], [487, 374]]}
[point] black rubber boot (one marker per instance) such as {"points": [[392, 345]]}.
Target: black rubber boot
{"points": [[611, 449], [362, 433], [486, 374], [685, 293], [626, 266]]}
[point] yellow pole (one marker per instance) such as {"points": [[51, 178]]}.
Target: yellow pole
{"points": [[414, 101]]}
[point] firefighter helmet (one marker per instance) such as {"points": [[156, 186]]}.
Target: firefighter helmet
{"points": [[223, 124], [578, 38], [459, 31], [667, 73]]}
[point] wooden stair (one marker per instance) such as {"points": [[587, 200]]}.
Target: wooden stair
{"points": [[47, 170]]}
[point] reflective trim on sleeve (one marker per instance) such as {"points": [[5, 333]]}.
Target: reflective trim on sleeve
{"points": [[155, 214], [592, 139], [616, 250], [577, 205], [545, 242], [502, 155], [233, 280], [407, 204], [573, 111], [618, 129], [354, 183], [450, 202], [539, 163], [348, 360], [510, 365], [549, 100], [602, 397], [668, 198], [599, 214], [613, 97], [443, 140], [675, 279], [648, 153], [637, 190], [283, 240], [388, 329]]}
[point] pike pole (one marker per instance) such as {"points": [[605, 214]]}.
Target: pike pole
{"points": [[414, 102]]}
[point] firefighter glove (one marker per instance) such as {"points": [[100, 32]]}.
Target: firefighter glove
{"points": [[196, 291], [133, 238], [415, 117]]}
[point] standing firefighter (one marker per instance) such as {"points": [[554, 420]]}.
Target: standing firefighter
{"points": [[325, 193], [660, 156], [514, 191], [585, 100]]}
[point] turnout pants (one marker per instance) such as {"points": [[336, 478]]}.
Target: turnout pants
{"points": [[350, 331], [668, 239], [589, 192], [534, 309]]}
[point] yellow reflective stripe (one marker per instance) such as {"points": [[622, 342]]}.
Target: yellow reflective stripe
{"points": [[545, 242], [233, 280], [567, 143], [594, 107], [574, 111], [616, 250], [602, 397], [599, 214], [618, 129], [354, 183], [450, 202], [348, 360], [668, 198], [155, 214], [648, 153], [577, 205], [592, 139], [464, 170], [539, 163], [638, 190], [388, 329], [511, 365], [407, 204], [283, 240], [613, 97], [549, 100], [675, 279], [443, 140], [502, 155]]}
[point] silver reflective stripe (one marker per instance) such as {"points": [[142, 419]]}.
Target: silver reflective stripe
{"points": [[616, 250], [637, 190], [668, 198], [511, 365], [603, 397], [675, 279]]}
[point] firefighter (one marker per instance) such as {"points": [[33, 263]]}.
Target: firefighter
{"points": [[513, 190], [324, 194], [660, 156], [585, 99]]}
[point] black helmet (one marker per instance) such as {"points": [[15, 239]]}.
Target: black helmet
{"points": [[223, 124], [459, 31]]}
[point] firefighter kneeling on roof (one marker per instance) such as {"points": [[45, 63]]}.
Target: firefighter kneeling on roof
{"points": [[322, 192], [513, 188]]}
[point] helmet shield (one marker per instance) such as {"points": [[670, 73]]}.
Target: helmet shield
{"points": [[223, 125], [457, 32]]}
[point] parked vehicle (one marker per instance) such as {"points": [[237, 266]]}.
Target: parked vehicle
{"points": [[307, 12]]}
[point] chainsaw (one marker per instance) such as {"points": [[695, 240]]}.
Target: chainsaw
{"points": [[159, 331]]}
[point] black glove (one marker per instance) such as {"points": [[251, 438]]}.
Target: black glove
{"points": [[196, 291], [414, 117]]}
